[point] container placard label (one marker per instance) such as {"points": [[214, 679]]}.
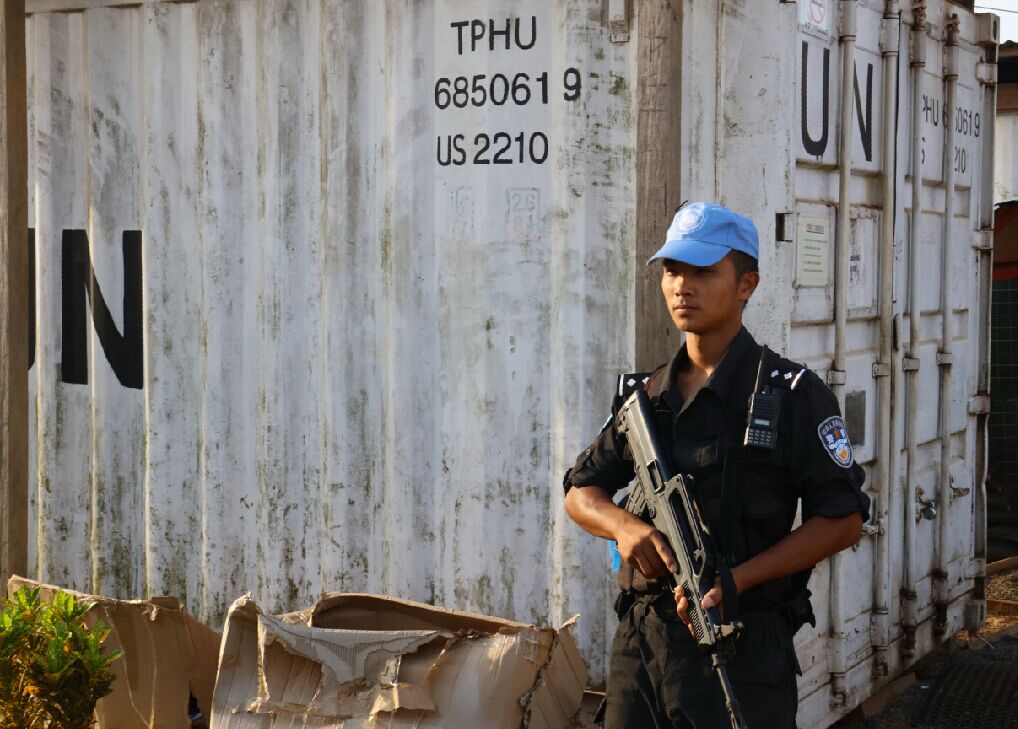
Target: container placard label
{"points": [[817, 16], [813, 252]]}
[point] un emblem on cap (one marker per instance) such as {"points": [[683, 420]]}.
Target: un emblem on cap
{"points": [[689, 219], [834, 437]]}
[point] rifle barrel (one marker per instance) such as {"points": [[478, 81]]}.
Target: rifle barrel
{"points": [[731, 703]]}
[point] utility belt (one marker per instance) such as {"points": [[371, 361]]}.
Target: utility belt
{"points": [[797, 611]]}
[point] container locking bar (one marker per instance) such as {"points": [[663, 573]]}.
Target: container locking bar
{"points": [[835, 377], [983, 241], [979, 404]]}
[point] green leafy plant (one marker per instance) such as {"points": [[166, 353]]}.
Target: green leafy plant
{"points": [[52, 666]]}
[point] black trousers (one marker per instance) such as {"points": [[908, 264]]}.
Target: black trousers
{"points": [[659, 678]]}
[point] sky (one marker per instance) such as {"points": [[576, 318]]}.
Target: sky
{"points": [[1008, 20]]}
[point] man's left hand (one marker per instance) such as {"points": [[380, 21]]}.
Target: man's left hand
{"points": [[711, 599], [817, 538]]}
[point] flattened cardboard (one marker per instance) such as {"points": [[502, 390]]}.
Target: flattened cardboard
{"points": [[357, 661], [167, 655]]}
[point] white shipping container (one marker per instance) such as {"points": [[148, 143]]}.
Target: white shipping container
{"points": [[329, 294]]}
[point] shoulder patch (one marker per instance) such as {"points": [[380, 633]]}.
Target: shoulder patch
{"points": [[787, 377], [628, 383], [631, 382], [834, 438]]}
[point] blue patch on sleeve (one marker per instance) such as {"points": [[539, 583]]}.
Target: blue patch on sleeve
{"points": [[834, 438]]}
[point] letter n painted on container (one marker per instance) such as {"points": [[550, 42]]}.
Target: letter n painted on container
{"points": [[865, 118], [123, 350]]}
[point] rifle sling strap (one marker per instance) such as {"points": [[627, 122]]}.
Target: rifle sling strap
{"points": [[731, 510], [729, 595]]}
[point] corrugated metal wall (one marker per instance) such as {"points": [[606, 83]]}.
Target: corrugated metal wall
{"points": [[362, 363]]}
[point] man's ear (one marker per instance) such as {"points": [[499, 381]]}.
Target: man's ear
{"points": [[747, 285]]}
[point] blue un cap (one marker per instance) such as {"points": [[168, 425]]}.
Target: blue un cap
{"points": [[701, 234]]}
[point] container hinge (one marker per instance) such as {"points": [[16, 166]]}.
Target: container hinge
{"points": [[984, 240], [918, 47], [979, 404], [945, 359], [910, 364], [847, 17], [881, 369], [951, 61], [890, 30], [618, 20], [835, 377], [785, 227], [986, 73], [987, 29]]}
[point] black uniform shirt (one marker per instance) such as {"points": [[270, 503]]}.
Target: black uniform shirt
{"points": [[812, 460]]}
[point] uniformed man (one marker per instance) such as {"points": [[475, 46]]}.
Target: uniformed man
{"points": [[749, 494]]}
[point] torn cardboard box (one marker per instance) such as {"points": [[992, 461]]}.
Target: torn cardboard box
{"points": [[369, 661], [168, 655]]}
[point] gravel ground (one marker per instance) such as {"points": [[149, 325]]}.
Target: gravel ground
{"points": [[902, 710], [898, 714], [1003, 586]]}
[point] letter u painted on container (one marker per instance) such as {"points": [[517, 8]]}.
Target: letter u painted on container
{"points": [[816, 146]]}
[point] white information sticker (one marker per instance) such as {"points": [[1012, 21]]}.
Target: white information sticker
{"points": [[817, 16], [813, 252]]}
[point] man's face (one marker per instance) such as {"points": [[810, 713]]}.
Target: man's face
{"points": [[702, 299]]}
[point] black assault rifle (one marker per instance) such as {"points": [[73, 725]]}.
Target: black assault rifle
{"points": [[663, 496]]}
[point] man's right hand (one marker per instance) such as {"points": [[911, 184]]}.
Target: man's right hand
{"points": [[640, 544], [644, 547]]}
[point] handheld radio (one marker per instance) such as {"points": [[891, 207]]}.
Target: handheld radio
{"points": [[762, 419]]}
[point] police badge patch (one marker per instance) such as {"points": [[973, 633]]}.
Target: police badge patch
{"points": [[834, 437]]}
